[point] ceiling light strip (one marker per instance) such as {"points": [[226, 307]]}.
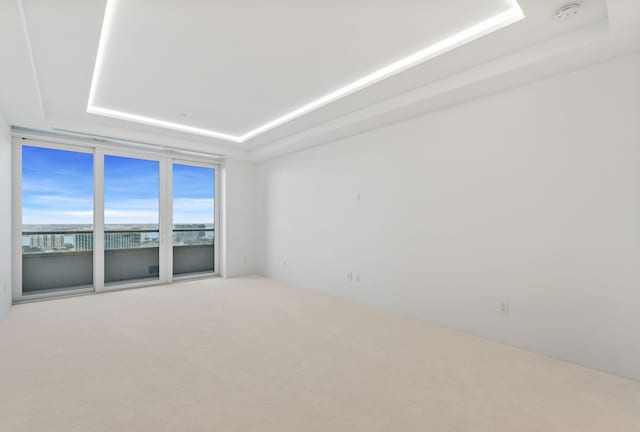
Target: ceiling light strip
{"points": [[448, 44], [107, 24], [489, 25], [121, 115]]}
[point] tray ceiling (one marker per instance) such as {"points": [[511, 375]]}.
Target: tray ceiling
{"points": [[233, 70]]}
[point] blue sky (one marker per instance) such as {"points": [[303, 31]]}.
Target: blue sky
{"points": [[57, 188], [193, 192], [131, 191]]}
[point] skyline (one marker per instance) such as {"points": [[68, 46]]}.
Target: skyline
{"points": [[57, 188]]}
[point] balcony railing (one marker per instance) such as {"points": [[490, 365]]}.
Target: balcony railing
{"points": [[193, 250], [63, 260], [51, 261]]}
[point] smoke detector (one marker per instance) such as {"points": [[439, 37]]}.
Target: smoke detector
{"points": [[567, 11]]}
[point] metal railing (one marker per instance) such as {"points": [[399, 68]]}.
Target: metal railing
{"points": [[193, 241], [54, 264], [114, 239], [46, 245]]}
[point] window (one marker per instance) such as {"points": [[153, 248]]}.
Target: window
{"points": [[193, 219], [91, 221], [57, 220], [131, 219]]}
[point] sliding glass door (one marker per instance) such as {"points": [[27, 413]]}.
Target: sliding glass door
{"points": [[91, 219], [193, 219], [57, 220], [131, 220]]}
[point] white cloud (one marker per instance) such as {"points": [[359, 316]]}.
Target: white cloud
{"points": [[38, 217], [79, 211], [193, 210], [125, 215], [61, 200]]}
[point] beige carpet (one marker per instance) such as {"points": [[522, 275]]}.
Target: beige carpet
{"points": [[252, 354]]}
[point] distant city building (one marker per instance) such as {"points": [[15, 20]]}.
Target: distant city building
{"points": [[150, 239], [122, 240], [83, 241], [47, 241], [131, 237], [189, 237]]}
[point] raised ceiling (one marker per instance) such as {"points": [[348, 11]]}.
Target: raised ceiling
{"points": [[233, 70], [165, 63]]}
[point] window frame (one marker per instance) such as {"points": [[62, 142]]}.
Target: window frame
{"points": [[99, 150], [216, 217]]}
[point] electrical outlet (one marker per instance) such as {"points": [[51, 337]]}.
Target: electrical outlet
{"points": [[505, 308], [357, 196], [357, 278], [350, 276]]}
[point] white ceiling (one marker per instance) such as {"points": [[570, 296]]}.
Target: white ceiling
{"points": [[232, 66]]}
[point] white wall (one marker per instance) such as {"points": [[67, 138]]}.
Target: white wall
{"points": [[5, 217], [238, 212], [530, 196]]}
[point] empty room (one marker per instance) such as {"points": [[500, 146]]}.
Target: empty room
{"points": [[320, 216]]}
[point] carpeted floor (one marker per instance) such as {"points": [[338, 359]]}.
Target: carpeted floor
{"points": [[252, 354]]}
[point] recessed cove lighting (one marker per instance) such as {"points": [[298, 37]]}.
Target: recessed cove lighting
{"points": [[511, 15]]}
